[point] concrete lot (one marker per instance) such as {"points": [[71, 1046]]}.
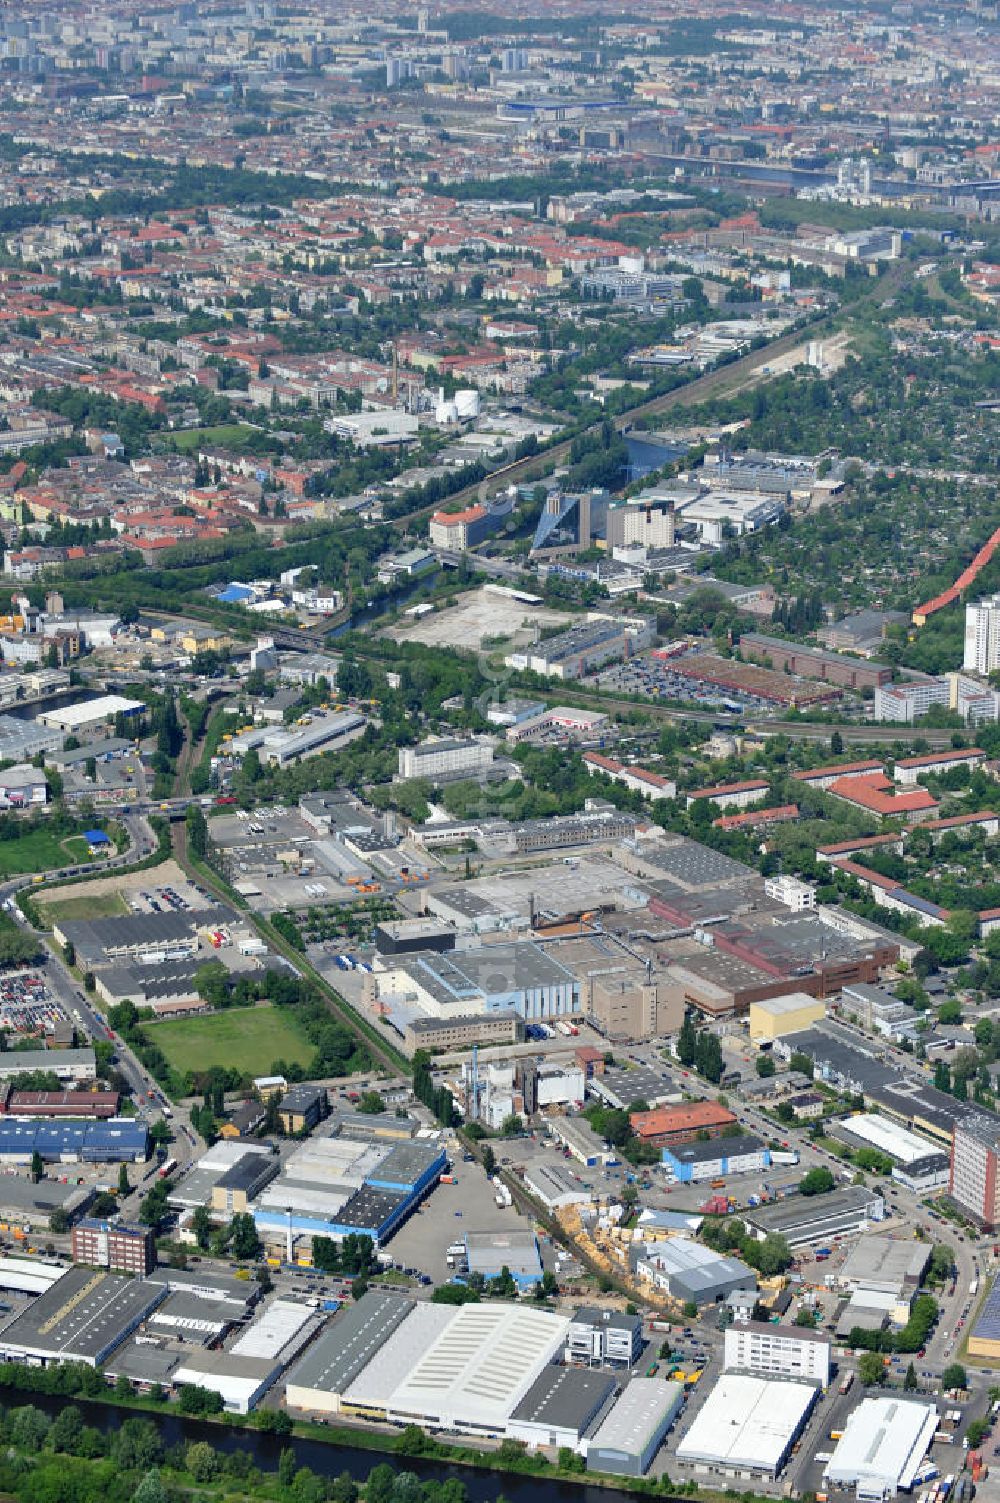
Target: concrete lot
{"points": [[487, 613], [466, 1206]]}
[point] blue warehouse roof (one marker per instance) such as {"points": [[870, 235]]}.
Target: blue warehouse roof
{"points": [[92, 1142]]}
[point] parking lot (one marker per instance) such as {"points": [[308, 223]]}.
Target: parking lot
{"points": [[27, 1006]]}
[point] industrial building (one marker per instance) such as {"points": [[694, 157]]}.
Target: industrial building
{"points": [[778, 1351], [984, 1340], [813, 662], [317, 1383], [581, 649], [28, 1275], [461, 1369], [667, 1125], [883, 1444], [121, 1140], [14, 1103], [30, 1207], [92, 713], [196, 1188], [689, 1163], [334, 1186], [114, 1245], [489, 1253], [282, 745], [816, 1218], [82, 1318], [890, 1265], [633, 1431], [773, 1017], [689, 1272], [917, 1164], [747, 1425], [66, 1064], [173, 933], [561, 1405], [523, 977], [244, 1373]]}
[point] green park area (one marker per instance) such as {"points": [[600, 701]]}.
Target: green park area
{"points": [[40, 850], [223, 435], [248, 1039]]}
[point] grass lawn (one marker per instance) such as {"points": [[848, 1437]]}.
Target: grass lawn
{"points": [[39, 851], [189, 440], [243, 1038], [94, 906]]}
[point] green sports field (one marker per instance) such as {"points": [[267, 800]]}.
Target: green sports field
{"points": [[244, 1038]]}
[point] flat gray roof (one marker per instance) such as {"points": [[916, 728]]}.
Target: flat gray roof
{"points": [[84, 1316], [800, 1211], [566, 1398], [350, 1342]]}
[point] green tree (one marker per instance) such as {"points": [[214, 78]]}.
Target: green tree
{"points": [[816, 1181], [37, 1170], [765, 1066], [687, 1041], [201, 1461], [243, 1237], [124, 1188], [371, 1103], [871, 1369], [201, 1226], [954, 1376], [910, 1378]]}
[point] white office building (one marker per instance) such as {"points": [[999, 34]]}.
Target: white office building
{"points": [[982, 635], [778, 1351], [796, 895], [445, 756]]}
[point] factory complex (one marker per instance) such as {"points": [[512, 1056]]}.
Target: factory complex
{"points": [[490, 1370]]}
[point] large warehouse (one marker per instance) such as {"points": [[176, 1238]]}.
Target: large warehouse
{"points": [[686, 1271], [632, 1432], [919, 1165], [119, 1140], [331, 1187], [463, 1369], [883, 1444], [747, 1425], [82, 1318], [691, 1162], [816, 1218]]}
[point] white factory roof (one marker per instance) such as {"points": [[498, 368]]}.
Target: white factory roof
{"points": [[747, 1422], [637, 1415], [239, 1380], [788, 1002], [67, 717], [883, 1444], [277, 1328], [481, 1365], [888, 1136], [322, 1201], [28, 1275], [377, 1383], [332, 1161]]}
